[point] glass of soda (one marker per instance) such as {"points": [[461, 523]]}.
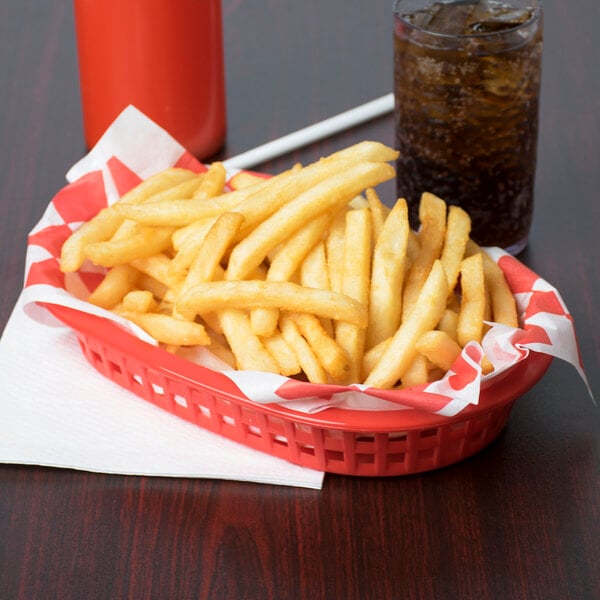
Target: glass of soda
{"points": [[467, 81]]}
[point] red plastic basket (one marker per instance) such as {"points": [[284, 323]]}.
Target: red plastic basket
{"points": [[363, 443]]}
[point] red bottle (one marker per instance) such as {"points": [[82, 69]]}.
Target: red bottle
{"points": [[163, 56]]}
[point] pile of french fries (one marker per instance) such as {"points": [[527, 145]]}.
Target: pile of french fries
{"points": [[306, 274]]}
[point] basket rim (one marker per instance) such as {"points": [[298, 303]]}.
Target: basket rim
{"points": [[502, 390]]}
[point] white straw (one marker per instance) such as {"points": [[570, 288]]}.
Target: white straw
{"points": [[312, 133]]}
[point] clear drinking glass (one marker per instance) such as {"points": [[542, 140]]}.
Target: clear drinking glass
{"points": [[467, 81]]}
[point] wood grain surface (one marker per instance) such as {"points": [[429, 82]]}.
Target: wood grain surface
{"points": [[519, 520]]}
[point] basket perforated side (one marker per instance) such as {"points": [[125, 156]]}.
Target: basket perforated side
{"points": [[322, 448]]}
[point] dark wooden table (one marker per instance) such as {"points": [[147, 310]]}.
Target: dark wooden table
{"points": [[519, 520]]}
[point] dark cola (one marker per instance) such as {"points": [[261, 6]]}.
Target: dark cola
{"points": [[467, 81]]}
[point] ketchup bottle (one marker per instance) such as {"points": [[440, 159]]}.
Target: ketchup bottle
{"points": [[165, 57]]}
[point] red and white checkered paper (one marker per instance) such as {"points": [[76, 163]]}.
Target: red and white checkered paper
{"points": [[134, 148]]}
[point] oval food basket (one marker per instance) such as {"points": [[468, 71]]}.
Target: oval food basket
{"points": [[350, 442]]}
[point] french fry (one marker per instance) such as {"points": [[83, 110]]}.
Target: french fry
{"points": [[188, 249], [245, 179], [314, 273], [432, 214], [439, 348], [309, 363], [449, 323], [334, 250], [372, 356], [389, 264], [118, 282], [503, 303], [417, 373], [169, 330], [379, 212], [313, 269], [213, 248], [139, 301], [212, 182], [282, 354], [330, 354], [207, 297], [155, 287], [458, 228], [355, 284], [249, 351], [330, 194], [426, 314], [177, 213], [107, 221], [155, 266], [145, 243], [285, 263], [288, 186], [472, 307]]}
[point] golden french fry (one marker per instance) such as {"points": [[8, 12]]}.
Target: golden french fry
{"points": [[155, 287], [293, 251], [168, 179], [400, 353], [356, 276], [101, 227], [472, 306], [432, 214], [117, 283], [264, 321], [439, 348], [125, 230], [288, 186], [147, 242], [389, 264], [314, 273], [107, 221], [212, 183], [250, 353], [210, 296], [306, 357], [211, 251], [205, 266], [372, 356], [139, 301], [417, 373], [284, 264], [503, 305], [188, 249], [458, 228], [258, 202], [313, 270], [449, 323], [177, 213], [282, 354], [155, 266], [379, 212], [195, 229], [413, 248], [330, 354], [334, 251], [330, 194], [245, 179], [167, 329], [486, 366]]}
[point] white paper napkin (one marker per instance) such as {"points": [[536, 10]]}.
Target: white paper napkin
{"points": [[57, 411]]}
